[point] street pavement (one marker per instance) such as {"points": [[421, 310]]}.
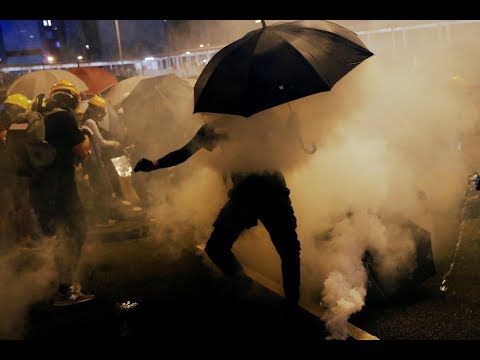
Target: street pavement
{"points": [[144, 290], [429, 313]]}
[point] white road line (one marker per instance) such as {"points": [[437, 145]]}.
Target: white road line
{"points": [[353, 331]]}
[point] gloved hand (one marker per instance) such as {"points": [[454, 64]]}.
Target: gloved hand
{"points": [[144, 165]]}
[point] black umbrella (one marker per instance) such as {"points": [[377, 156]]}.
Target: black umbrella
{"points": [[277, 64]]}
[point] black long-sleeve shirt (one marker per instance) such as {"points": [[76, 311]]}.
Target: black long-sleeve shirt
{"points": [[205, 138]]}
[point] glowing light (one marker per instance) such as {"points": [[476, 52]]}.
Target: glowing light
{"points": [[87, 47], [257, 21], [187, 52], [201, 45], [148, 58], [79, 57], [50, 59]]}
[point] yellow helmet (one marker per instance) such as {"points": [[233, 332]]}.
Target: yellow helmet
{"points": [[18, 99], [65, 85], [98, 101]]}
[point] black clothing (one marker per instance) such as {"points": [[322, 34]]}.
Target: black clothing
{"points": [[55, 197], [254, 196], [5, 120], [61, 131]]}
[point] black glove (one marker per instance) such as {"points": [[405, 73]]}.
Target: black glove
{"points": [[144, 165]]}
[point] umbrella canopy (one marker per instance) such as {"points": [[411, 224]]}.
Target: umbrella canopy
{"points": [[277, 64], [39, 82], [157, 110], [96, 78], [118, 92]]}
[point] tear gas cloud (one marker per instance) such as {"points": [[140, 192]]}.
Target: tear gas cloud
{"points": [[26, 278], [387, 132]]}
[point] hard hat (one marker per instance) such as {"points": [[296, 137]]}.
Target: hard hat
{"points": [[18, 99], [65, 85], [98, 101], [66, 94]]}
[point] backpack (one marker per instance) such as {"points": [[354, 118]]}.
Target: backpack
{"points": [[27, 150]]}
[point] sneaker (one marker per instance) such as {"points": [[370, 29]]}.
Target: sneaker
{"points": [[72, 297]]}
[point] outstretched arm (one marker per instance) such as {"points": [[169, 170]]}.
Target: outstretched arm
{"points": [[178, 156]]}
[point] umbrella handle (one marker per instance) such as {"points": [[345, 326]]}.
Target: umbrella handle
{"points": [[293, 124]]}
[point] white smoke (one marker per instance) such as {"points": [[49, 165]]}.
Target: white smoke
{"points": [[385, 134], [344, 288], [27, 275]]}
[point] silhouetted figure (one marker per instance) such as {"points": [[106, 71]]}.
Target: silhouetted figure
{"points": [[56, 199], [22, 224], [254, 196]]}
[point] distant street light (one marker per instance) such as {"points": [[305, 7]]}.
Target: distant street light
{"points": [[50, 59], [87, 52], [79, 58], [119, 42]]}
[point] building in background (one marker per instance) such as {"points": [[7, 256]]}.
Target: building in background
{"points": [[26, 42], [82, 40], [20, 42]]}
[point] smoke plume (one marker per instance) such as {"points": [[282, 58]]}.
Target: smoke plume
{"points": [[389, 141]]}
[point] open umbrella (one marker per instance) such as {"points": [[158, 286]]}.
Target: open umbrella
{"points": [[39, 82], [118, 92], [158, 108], [96, 78], [277, 64]]}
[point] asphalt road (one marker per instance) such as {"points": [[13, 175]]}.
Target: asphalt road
{"points": [[429, 313], [144, 290]]}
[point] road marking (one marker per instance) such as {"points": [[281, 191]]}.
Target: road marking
{"points": [[317, 310]]}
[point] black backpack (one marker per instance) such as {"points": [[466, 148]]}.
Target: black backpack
{"points": [[27, 150]]}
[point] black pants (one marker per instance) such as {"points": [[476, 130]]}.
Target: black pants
{"points": [[266, 198], [60, 212]]}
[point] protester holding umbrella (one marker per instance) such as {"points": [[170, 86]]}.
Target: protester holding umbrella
{"points": [[254, 196], [266, 68]]}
